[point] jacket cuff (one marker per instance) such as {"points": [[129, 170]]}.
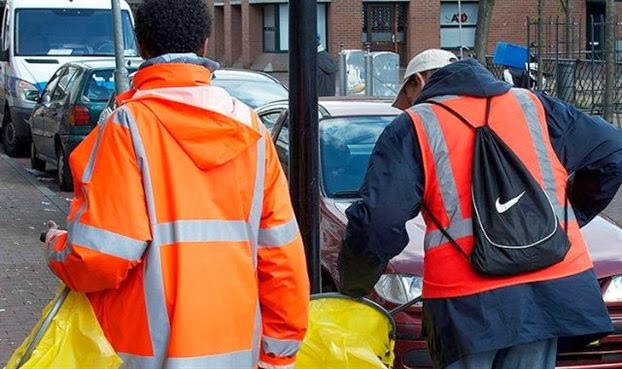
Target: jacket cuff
{"points": [[271, 361], [264, 365]]}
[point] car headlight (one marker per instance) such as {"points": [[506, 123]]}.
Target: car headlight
{"points": [[614, 290], [399, 288], [26, 91]]}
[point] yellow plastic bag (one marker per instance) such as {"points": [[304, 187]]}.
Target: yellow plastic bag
{"points": [[347, 334], [70, 338]]}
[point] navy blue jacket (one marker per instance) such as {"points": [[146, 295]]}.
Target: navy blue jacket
{"points": [[589, 148]]}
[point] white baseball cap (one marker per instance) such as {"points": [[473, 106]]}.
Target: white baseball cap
{"points": [[426, 60]]}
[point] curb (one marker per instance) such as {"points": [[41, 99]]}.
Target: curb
{"points": [[61, 204]]}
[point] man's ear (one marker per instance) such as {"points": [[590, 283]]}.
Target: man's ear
{"points": [[421, 81]]}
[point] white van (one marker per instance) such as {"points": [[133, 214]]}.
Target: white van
{"points": [[38, 36]]}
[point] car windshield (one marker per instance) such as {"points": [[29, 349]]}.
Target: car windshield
{"points": [[345, 146], [251, 92], [58, 32]]}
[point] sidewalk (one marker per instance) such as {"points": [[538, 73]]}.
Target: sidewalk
{"points": [[26, 284]]}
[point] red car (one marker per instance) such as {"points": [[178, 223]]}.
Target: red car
{"points": [[348, 129]]}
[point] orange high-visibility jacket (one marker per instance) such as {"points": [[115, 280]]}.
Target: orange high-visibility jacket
{"points": [[447, 146], [182, 231]]}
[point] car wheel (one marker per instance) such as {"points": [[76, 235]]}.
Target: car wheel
{"points": [[63, 173], [12, 146], [35, 162]]}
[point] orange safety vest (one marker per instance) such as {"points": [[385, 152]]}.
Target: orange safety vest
{"points": [[182, 230], [447, 149]]}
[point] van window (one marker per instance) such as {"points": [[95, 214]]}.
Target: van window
{"points": [[85, 32], [6, 23]]}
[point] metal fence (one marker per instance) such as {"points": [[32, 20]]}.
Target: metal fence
{"points": [[574, 67], [578, 81]]}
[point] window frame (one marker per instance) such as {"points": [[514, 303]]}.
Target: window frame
{"points": [[276, 28], [50, 87], [70, 71], [279, 48]]}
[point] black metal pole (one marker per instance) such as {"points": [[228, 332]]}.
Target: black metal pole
{"points": [[303, 132]]}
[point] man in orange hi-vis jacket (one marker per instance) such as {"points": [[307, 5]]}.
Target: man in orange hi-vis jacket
{"points": [[182, 231]]}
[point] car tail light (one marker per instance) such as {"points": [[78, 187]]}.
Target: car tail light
{"points": [[79, 116]]}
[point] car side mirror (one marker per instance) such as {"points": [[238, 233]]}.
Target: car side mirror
{"points": [[4, 55], [44, 99]]}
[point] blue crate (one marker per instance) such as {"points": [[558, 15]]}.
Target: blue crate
{"points": [[510, 55]]}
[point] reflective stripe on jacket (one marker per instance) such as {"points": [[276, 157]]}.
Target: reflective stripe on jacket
{"points": [[182, 230], [447, 147]]}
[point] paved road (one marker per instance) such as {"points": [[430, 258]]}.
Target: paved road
{"points": [[27, 200]]}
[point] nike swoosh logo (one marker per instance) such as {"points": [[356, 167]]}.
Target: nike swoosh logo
{"points": [[502, 208]]}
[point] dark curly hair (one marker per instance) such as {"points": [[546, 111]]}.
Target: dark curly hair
{"points": [[172, 26]]}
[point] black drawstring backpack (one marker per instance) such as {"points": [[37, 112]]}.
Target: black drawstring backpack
{"points": [[515, 227]]}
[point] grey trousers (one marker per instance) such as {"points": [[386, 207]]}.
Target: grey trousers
{"points": [[534, 355]]}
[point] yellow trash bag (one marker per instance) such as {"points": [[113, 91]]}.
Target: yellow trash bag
{"points": [[68, 336], [345, 333]]}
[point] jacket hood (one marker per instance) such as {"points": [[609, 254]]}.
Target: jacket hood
{"points": [[210, 125], [466, 77]]}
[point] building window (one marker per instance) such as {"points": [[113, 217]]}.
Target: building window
{"points": [[383, 23], [276, 26], [458, 23], [270, 21]]}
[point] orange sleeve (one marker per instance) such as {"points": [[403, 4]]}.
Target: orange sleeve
{"points": [[108, 220], [283, 280]]}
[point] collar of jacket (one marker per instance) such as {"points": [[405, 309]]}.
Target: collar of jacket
{"points": [[466, 77], [211, 134], [174, 70]]}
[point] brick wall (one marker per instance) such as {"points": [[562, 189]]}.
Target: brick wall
{"points": [[245, 34], [509, 25], [256, 36], [211, 44], [579, 13], [237, 37], [228, 51], [251, 33], [344, 24], [424, 30], [509, 22], [232, 19], [217, 41]]}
